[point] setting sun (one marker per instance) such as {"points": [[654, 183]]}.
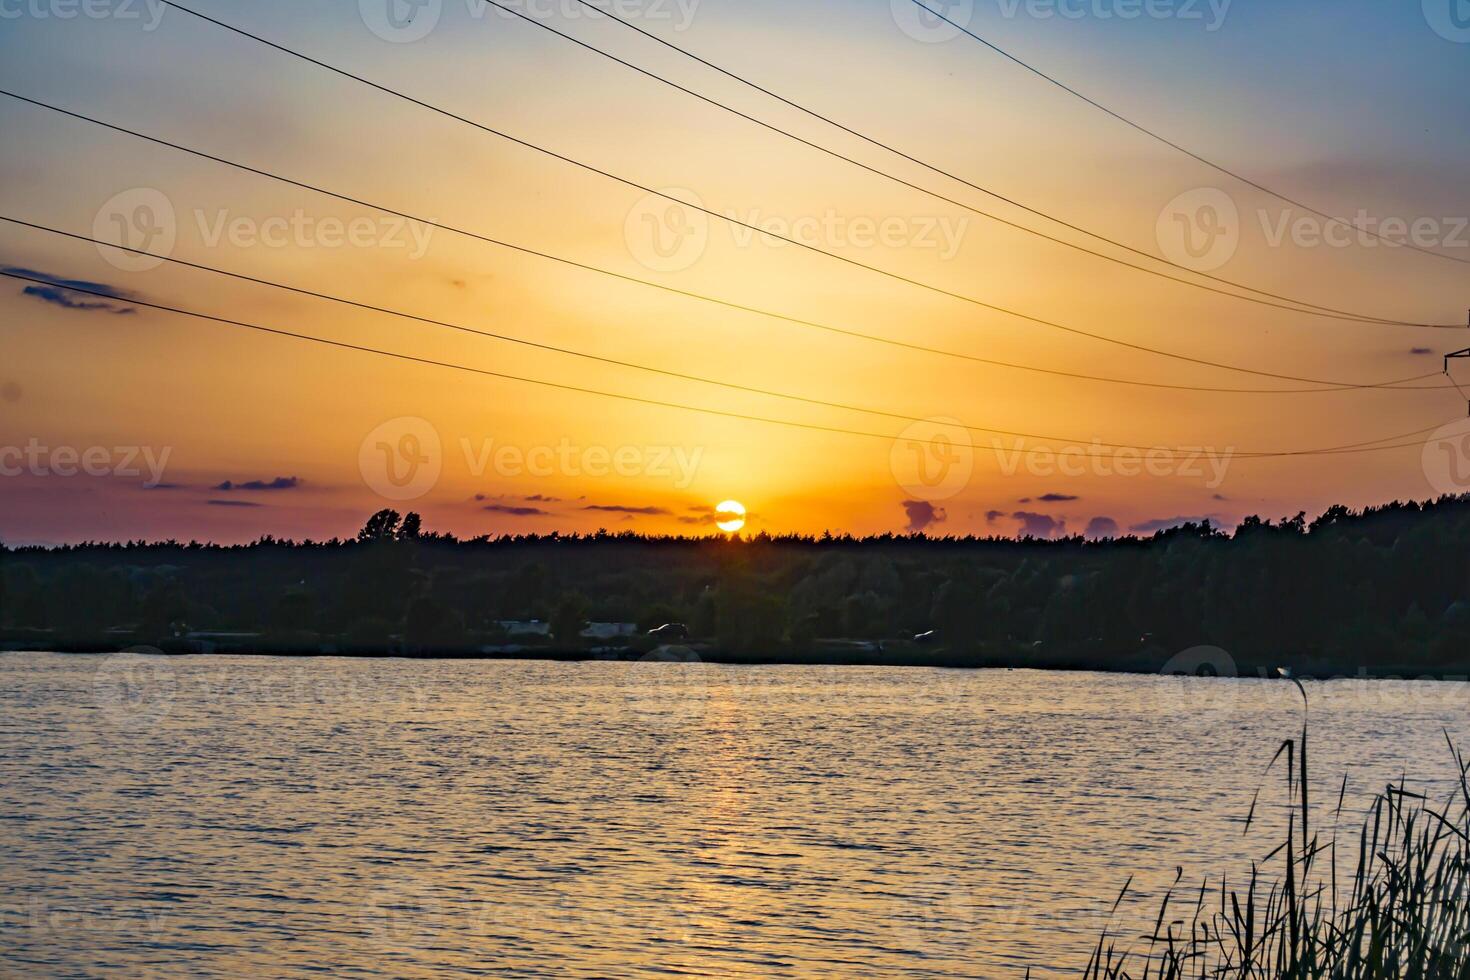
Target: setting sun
{"points": [[730, 516]]}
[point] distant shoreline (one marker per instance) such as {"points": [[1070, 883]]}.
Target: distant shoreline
{"points": [[834, 654]]}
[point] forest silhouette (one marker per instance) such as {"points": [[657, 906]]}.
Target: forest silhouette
{"points": [[1384, 590]]}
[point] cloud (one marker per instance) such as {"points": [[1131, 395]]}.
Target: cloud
{"points": [[1057, 498], [535, 498], [1039, 525], [1421, 350], [279, 483], [991, 516], [621, 509], [233, 503], [922, 515], [165, 486], [513, 511], [1101, 527], [1164, 524], [64, 292], [1221, 496]]}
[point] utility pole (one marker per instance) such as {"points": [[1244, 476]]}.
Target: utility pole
{"points": [[1458, 354]]}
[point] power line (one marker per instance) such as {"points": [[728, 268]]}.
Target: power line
{"points": [[1312, 309], [1331, 385], [747, 389], [897, 277], [640, 367], [1173, 145], [1155, 452]]}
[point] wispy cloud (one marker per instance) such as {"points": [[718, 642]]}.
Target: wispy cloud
{"points": [[233, 503], [72, 294], [623, 509], [513, 510], [279, 483]]}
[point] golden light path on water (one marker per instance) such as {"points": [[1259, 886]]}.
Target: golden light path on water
{"points": [[238, 816]]}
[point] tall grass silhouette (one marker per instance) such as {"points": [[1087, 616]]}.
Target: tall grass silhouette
{"points": [[1403, 915]]}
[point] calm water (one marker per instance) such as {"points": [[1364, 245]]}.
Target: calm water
{"points": [[236, 816]]}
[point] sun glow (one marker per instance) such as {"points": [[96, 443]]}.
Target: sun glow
{"points": [[730, 516]]}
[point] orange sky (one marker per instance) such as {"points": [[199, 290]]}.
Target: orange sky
{"points": [[221, 404]]}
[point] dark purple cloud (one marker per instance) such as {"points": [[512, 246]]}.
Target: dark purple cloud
{"points": [[622, 509], [1039, 525], [233, 503], [922, 515], [279, 483], [1101, 527], [511, 510]]}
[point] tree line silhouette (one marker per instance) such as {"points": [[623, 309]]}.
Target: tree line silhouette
{"points": [[1383, 588]]}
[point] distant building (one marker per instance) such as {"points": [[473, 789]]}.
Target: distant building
{"points": [[609, 631], [525, 627]]}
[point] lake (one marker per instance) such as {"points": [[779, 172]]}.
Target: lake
{"points": [[225, 816]]}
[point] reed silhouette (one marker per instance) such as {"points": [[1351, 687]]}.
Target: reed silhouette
{"points": [[1404, 914]]}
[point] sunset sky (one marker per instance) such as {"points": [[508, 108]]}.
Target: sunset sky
{"points": [[1346, 106]]}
